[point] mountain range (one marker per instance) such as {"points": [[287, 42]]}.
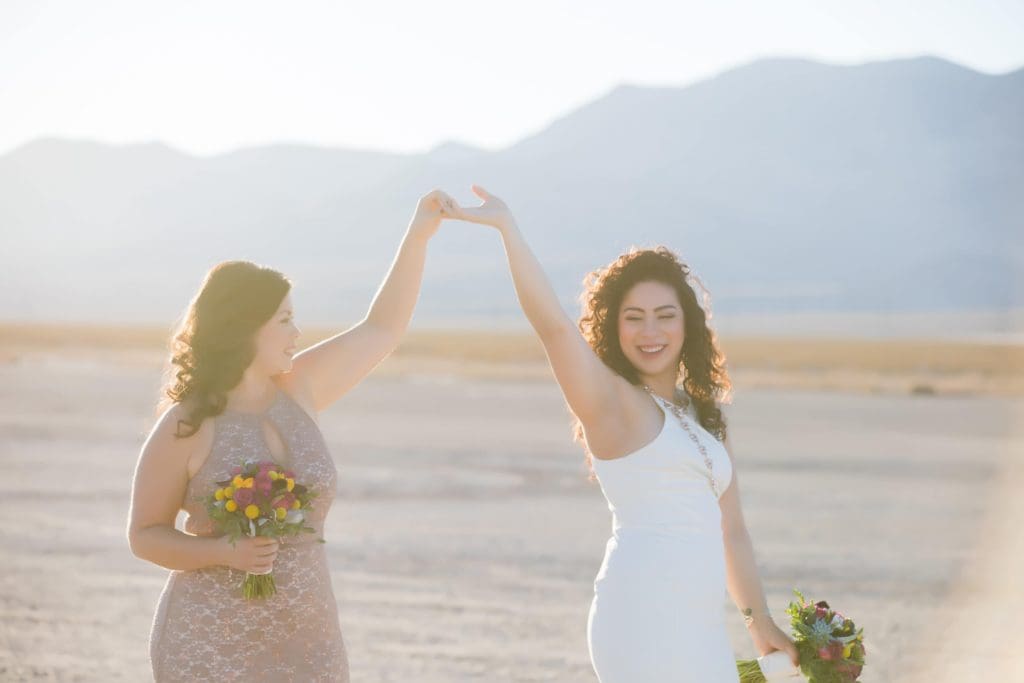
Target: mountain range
{"points": [[789, 186]]}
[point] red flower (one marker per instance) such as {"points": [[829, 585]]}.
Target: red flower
{"points": [[850, 669], [243, 497], [284, 501]]}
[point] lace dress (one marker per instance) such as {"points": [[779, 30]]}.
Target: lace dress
{"points": [[203, 629]]}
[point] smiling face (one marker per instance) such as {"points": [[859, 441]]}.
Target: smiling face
{"points": [[651, 329], [276, 339]]}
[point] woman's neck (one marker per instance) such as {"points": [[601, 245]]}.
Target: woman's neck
{"points": [[663, 385], [252, 393]]}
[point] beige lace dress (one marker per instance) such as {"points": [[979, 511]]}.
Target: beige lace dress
{"points": [[203, 629]]}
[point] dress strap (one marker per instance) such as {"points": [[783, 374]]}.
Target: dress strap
{"points": [[684, 422]]}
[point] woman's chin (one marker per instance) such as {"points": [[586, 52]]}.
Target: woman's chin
{"points": [[280, 368], [654, 369]]}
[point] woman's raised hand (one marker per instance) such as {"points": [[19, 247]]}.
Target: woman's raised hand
{"points": [[493, 211], [431, 209]]}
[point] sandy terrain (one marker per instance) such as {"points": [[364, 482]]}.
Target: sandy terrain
{"points": [[465, 535]]}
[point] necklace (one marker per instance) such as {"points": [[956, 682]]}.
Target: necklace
{"points": [[684, 422]]}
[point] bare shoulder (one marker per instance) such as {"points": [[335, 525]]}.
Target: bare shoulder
{"points": [[168, 444], [168, 426], [633, 421]]}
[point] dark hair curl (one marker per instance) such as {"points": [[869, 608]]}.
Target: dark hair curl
{"points": [[215, 341], [705, 378]]}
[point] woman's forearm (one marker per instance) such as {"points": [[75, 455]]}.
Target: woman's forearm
{"points": [[536, 295], [393, 305], [742, 579], [174, 549]]}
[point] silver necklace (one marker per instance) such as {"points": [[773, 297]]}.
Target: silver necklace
{"points": [[684, 422]]}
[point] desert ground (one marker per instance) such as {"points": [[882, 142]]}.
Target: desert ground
{"points": [[465, 534]]}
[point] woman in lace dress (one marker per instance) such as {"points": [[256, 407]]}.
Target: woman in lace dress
{"points": [[239, 391]]}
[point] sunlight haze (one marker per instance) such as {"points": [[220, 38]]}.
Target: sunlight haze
{"points": [[406, 76]]}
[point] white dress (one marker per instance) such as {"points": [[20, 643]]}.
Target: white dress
{"points": [[658, 612]]}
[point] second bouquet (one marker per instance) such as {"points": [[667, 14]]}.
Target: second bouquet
{"points": [[260, 499]]}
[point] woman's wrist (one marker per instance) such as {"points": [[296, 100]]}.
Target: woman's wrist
{"points": [[509, 230], [756, 616], [420, 231], [215, 552]]}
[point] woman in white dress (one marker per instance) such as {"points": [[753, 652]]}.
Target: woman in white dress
{"points": [[644, 377]]}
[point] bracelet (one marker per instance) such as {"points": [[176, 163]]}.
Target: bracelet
{"points": [[748, 614]]}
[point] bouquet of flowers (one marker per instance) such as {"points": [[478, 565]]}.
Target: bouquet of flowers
{"points": [[261, 499], [831, 648]]}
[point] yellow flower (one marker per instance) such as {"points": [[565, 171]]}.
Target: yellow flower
{"points": [[231, 506], [229, 491], [252, 511], [848, 650], [273, 475], [237, 481], [296, 505], [291, 484], [218, 494], [281, 512], [248, 483]]}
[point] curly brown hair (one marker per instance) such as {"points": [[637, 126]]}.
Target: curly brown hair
{"points": [[701, 362], [215, 340]]}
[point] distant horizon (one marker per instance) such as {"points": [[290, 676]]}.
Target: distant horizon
{"points": [[989, 326], [337, 146]]}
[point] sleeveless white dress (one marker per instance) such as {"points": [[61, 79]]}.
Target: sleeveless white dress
{"points": [[658, 610]]}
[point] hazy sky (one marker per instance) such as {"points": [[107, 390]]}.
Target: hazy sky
{"points": [[211, 76]]}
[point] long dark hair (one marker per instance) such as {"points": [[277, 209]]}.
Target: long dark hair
{"points": [[215, 341], [701, 362]]}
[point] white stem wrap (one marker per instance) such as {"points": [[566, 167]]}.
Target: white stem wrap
{"points": [[776, 666], [252, 532]]}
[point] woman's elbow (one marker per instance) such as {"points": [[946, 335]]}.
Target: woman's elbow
{"points": [[134, 544], [734, 534], [138, 542]]}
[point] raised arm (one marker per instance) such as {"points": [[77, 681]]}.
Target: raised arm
{"points": [[591, 389], [334, 366]]}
